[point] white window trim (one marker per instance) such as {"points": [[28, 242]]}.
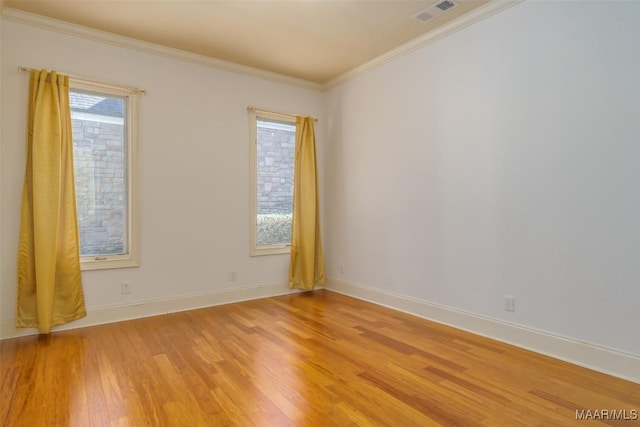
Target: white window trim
{"points": [[132, 258], [254, 115]]}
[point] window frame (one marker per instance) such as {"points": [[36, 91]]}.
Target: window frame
{"points": [[132, 97], [254, 116]]}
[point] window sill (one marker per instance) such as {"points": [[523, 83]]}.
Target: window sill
{"points": [[87, 264], [271, 250]]}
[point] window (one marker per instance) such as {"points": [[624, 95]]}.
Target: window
{"points": [[273, 141], [104, 165]]}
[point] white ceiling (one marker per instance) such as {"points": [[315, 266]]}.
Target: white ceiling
{"points": [[312, 40]]}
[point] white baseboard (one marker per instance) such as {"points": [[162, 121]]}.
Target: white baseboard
{"points": [[118, 313], [591, 356], [608, 361]]}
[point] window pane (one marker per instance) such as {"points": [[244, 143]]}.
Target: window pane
{"points": [[99, 149], [275, 156]]}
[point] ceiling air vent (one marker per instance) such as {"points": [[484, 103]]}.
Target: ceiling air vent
{"points": [[435, 10], [445, 5]]}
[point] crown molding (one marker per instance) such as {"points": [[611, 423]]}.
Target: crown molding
{"points": [[451, 27], [476, 15], [130, 43]]}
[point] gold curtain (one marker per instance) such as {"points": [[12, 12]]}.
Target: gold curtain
{"points": [[306, 269], [49, 282]]}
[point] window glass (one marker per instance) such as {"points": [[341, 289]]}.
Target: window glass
{"points": [[274, 187], [100, 157]]}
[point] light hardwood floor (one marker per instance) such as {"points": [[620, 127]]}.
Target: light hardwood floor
{"points": [[312, 359]]}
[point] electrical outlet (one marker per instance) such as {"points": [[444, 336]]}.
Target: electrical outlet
{"points": [[232, 276], [341, 270], [125, 288], [509, 303]]}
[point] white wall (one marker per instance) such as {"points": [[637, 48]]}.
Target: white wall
{"points": [[501, 160], [194, 166]]}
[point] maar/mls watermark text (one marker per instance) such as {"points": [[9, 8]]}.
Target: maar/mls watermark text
{"points": [[606, 414]]}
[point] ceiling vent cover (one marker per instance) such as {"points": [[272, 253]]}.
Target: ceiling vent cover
{"points": [[445, 5], [435, 10]]}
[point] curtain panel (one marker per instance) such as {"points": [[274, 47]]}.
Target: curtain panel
{"points": [[306, 268], [50, 289]]}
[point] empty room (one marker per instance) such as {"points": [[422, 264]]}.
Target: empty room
{"points": [[319, 213]]}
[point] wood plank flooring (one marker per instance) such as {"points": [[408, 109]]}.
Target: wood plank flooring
{"points": [[312, 359]]}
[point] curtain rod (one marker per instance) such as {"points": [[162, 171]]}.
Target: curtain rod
{"points": [[81, 80], [257, 110]]}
